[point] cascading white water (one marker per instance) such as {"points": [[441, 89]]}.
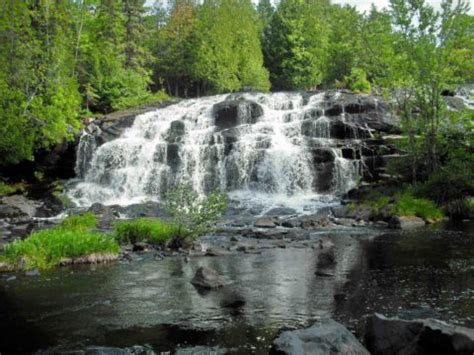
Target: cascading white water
{"points": [[265, 158]]}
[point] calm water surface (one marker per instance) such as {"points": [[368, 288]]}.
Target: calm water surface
{"points": [[148, 301]]}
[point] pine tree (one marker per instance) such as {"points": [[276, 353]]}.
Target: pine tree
{"points": [[295, 44]]}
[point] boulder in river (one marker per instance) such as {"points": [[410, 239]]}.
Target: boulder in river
{"points": [[265, 222], [207, 278], [391, 336], [406, 222], [326, 337]]}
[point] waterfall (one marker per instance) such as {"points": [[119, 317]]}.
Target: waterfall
{"points": [[280, 146]]}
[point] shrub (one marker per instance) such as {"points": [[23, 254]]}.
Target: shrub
{"points": [[10, 189], [357, 81], [152, 230], [86, 221], [195, 215], [48, 248], [407, 205]]}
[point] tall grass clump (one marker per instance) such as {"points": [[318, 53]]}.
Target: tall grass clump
{"points": [[154, 231], [86, 221], [408, 205], [66, 243], [48, 248]]}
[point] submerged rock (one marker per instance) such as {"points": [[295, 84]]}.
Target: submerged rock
{"points": [[265, 222], [325, 337], [391, 336], [207, 278]]}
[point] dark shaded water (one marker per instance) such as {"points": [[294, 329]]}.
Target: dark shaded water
{"points": [[152, 302]]}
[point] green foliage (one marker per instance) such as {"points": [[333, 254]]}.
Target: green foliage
{"points": [[47, 248], [143, 229], [295, 43], [229, 54], [84, 222], [407, 205], [193, 214], [59, 58], [357, 81], [10, 189], [345, 45]]}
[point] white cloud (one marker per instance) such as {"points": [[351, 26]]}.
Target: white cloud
{"points": [[365, 5]]}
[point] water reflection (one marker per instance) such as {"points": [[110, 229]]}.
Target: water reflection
{"points": [[152, 302]]}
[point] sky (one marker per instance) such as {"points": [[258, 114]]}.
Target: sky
{"points": [[364, 5]]}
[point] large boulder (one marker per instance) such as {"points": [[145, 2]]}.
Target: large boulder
{"points": [[406, 222], [235, 112], [325, 337], [392, 336]]}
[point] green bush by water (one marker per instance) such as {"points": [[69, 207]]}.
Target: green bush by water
{"points": [[86, 221], [152, 230], [45, 249], [407, 205], [10, 189]]}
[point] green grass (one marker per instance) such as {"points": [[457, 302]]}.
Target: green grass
{"points": [[47, 248], [84, 222], [375, 205], [73, 238], [154, 231], [407, 205]]}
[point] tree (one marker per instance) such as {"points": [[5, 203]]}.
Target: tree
{"points": [[265, 12], [39, 98], [295, 44], [229, 54], [344, 44], [176, 50]]}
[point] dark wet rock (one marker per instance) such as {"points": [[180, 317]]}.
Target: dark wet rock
{"points": [[381, 224], [265, 222], [406, 222], [22, 230], [391, 336], [112, 125], [176, 131], [141, 246], [289, 224], [326, 337], [341, 211], [281, 211], [216, 251], [7, 211], [298, 234], [319, 219], [200, 350], [348, 222], [102, 350], [148, 209], [98, 208], [207, 278], [233, 301], [233, 112]]}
